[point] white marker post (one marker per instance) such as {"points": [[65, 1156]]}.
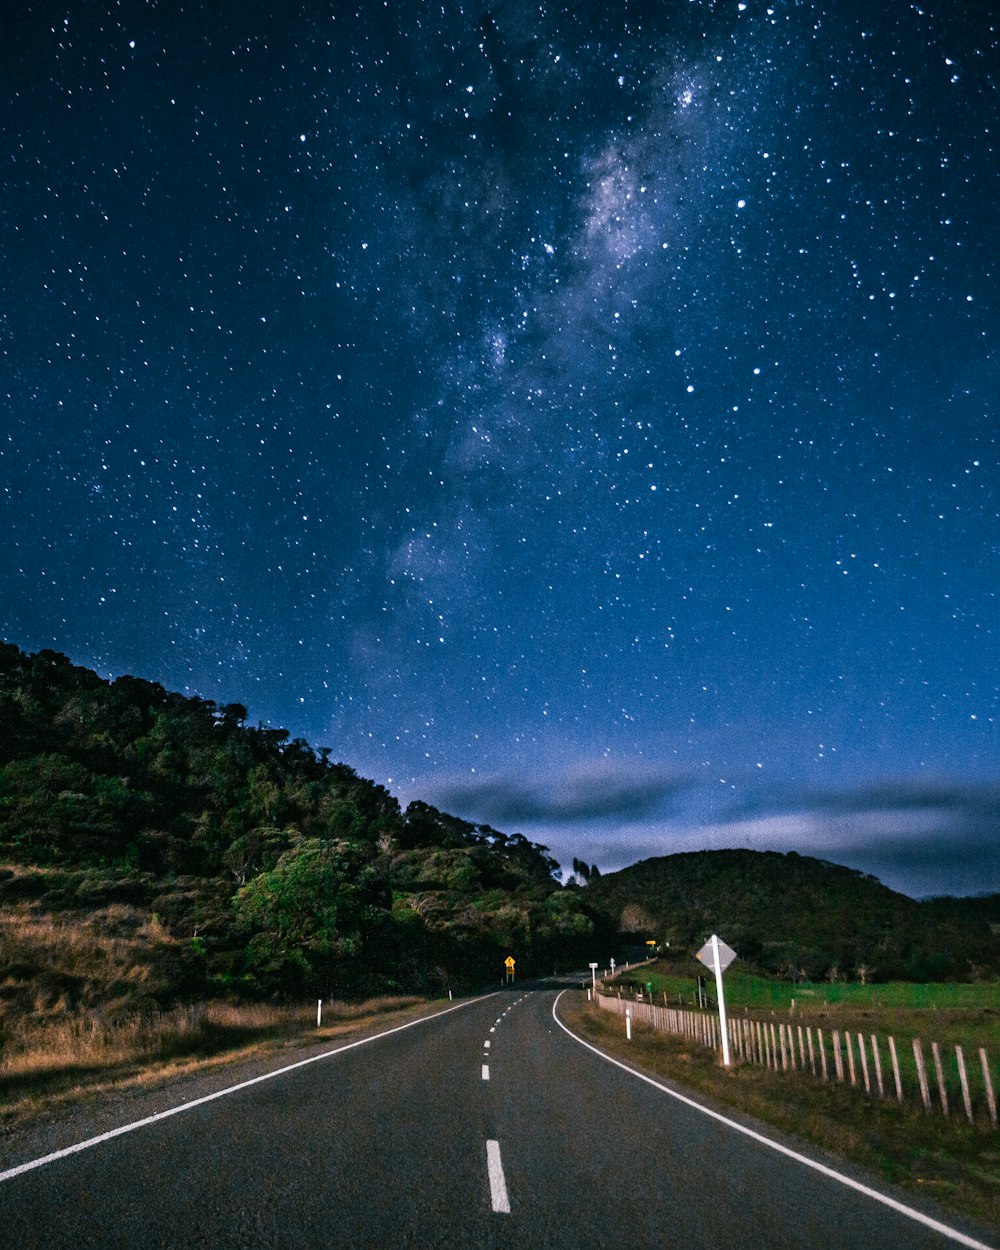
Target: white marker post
{"points": [[593, 975], [716, 955], [628, 1024], [319, 1012]]}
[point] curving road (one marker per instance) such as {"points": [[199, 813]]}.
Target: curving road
{"points": [[484, 1126]]}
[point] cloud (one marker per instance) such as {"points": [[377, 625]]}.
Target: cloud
{"points": [[894, 808], [961, 808], [580, 794], [918, 838]]}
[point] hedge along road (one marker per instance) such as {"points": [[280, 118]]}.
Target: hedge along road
{"points": [[485, 1125]]}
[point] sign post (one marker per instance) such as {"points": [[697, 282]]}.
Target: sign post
{"points": [[593, 976], [715, 954], [508, 963]]}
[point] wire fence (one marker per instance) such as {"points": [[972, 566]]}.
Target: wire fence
{"points": [[941, 1079]]}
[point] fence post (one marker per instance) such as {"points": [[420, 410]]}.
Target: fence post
{"points": [[822, 1053], [895, 1070], [850, 1056], [878, 1066], [966, 1097], [812, 1056], [990, 1099], [918, 1055], [838, 1058], [864, 1062], [939, 1072], [784, 1051], [802, 1050]]}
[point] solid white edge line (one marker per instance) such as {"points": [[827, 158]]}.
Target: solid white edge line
{"points": [[498, 1186], [944, 1229], [10, 1173]]}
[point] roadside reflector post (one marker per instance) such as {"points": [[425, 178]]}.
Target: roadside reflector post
{"points": [[319, 1012], [716, 955], [628, 1024]]}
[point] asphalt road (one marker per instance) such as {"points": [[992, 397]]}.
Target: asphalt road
{"points": [[487, 1126]]}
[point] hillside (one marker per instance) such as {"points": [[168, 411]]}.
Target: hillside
{"points": [[155, 848], [799, 917]]}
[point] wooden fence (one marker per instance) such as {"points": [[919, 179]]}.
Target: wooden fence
{"points": [[948, 1084]]}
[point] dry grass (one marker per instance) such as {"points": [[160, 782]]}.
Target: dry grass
{"points": [[79, 1013], [957, 1163], [73, 1058]]}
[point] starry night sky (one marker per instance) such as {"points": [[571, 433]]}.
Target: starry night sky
{"points": [[579, 415]]}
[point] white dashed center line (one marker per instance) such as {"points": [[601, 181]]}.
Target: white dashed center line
{"points": [[498, 1186], [486, 1071]]}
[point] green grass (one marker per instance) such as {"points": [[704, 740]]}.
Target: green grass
{"points": [[747, 989]]}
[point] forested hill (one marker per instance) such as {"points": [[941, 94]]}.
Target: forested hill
{"points": [[800, 917], [256, 864]]}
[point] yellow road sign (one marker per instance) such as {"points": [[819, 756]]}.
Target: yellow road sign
{"points": [[509, 962]]}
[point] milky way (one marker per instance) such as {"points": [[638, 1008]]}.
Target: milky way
{"points": [[581, 416]]}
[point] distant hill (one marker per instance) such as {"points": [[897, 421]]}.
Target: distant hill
{"points": [[800, 917]]}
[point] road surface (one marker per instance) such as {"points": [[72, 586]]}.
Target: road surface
{"points": [[485, 1126]]}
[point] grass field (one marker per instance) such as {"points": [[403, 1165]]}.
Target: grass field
{"points": [[745, 989], [950, 1014], [956, 1163]]}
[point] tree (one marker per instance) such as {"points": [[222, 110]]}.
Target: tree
{"points": [[316, 909]]}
